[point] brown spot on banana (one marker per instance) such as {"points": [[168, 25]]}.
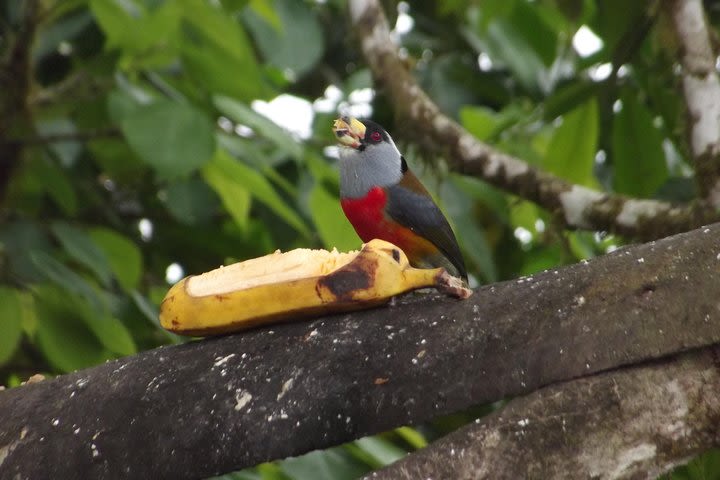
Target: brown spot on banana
{"points": [[343, 283]]}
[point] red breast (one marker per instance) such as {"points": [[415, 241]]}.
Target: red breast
{"points": [[367, 216]]}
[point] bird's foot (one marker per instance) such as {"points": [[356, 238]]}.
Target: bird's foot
{"points": [[452, 286]]}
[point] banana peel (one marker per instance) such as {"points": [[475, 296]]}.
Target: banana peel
{"points": [[295, 284]]}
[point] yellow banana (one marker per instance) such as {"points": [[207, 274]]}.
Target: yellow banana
{"points": [[295, 284]]}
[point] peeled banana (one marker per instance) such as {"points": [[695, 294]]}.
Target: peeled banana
{"points": [[295, 284]]}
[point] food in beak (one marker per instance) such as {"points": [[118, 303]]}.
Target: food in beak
{"points": [[349, 131]]}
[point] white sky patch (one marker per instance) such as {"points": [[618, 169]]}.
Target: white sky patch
{"points": [[404, 23], [362, 95], [145, 227], [329, 101], [523, 235], [600, 157], [65, 48], [243, 131], [598, 73], [173, 273], [225, 124], [293, 113], [332, 151], [585, 42], [484, 62], [357, 110]]}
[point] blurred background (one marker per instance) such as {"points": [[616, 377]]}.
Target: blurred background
{"points": [[145, 140]]}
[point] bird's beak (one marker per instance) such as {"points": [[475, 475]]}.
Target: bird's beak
{"points": [[349, 131]]}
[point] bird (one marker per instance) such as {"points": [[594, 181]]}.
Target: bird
{"points": [[383, 199]]}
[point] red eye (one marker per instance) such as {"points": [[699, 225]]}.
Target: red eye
{"points": [[375, 136]]}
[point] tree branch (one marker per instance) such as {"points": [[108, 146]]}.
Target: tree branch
{"points": [[632, 423], [16, 79], [225, 403], [580, 207], [701, 87]]}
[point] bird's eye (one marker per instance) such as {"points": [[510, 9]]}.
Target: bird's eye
{"points": [[375, 136]]}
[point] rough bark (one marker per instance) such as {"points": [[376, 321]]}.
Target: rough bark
{"points": [[578, 206], [701, 87], [222, 404], [637, 422]]}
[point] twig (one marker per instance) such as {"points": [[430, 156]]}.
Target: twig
{"points": [[580, 207]]}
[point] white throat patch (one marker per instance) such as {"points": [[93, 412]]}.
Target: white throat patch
{"points": [[377, 165]]}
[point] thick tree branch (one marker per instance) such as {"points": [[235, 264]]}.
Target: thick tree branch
{"points": [[221, 404], [701, 87], [632, 423], [580, 207]]}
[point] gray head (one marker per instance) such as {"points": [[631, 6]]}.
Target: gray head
{"points": [[368, 157]]}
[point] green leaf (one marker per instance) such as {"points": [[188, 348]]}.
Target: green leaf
{"points": [[257, 185], [263, 126], [298, 45], [480, 121], [382, 451], [148, 36], [218, 54], [703, 467], [62, 192], [11, 317], [265, 9], [412, 436], [62, 335], [232, 192], [521, 40], [174, 138], [117, 160], [68, 151], [460, 206], [19, 240], [111, 333], [638, 158], [568, 97], [539, 259], [118, 21], [83, 250], [332, 226], [37, 176], [571, 153], [67, 279], [191, 201], [332, 464], [123, 256]]}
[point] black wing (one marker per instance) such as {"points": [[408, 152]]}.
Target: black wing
{"points": [[420, 214]]}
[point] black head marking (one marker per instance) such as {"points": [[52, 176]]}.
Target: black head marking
{"points": [[372, 130], [403, 164]]}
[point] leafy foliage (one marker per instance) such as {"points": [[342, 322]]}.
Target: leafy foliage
{"points": [[144, 148]]}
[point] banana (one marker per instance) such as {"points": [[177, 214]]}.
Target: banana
{"points": [[295, 284]]}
